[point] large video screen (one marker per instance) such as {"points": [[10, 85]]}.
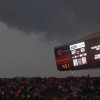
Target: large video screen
{"points": [[81, 55]]}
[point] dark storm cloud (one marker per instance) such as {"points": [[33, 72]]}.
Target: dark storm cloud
{"points": [[55, 19]]}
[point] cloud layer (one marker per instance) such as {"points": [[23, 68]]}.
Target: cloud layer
{"points": [[54, 19]]}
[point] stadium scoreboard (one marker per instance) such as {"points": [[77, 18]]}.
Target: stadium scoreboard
{"points": [[81, 55]]}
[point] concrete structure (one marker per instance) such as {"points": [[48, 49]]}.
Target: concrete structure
{"points": [[90, 36]]}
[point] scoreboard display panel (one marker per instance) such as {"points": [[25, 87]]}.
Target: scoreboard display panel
{"points": [[81, 55], [63, 58]]}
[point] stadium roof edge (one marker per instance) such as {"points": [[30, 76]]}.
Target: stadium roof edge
{"points": [[86, 37], [90, 36]]}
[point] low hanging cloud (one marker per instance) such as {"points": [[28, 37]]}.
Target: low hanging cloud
{"points": [[55, 19]]}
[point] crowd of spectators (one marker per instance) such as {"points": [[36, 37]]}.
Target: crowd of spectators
{"points": [[52, 88]]}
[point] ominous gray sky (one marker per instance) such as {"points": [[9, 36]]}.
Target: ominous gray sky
{"points": [[30, 29]]}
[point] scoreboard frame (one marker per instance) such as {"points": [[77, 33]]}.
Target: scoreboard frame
{"points": [[78, 55]]}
